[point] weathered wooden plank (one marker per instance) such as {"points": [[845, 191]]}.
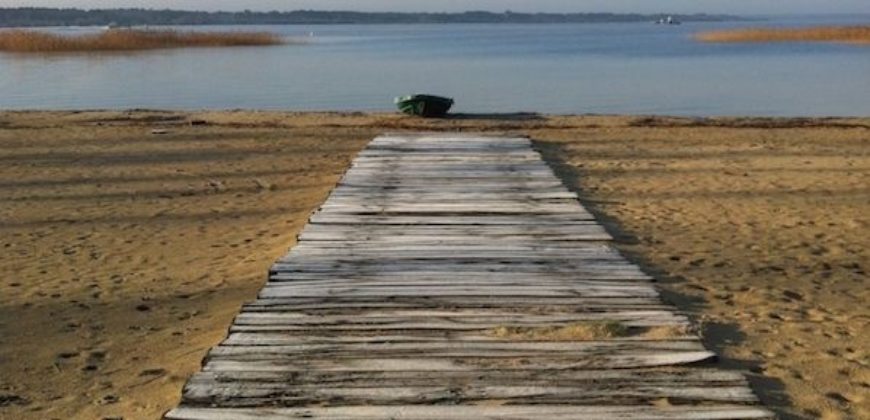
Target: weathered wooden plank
{"points": [[512, 154], [288, 290], [429, 187], [460, 239], [492, 412], [252, 336], [271, 292], [395, 153], [251, 343], [445, 269], [202, 390], [459, 196], [518, 253], [510, 191], [487, 269], [374, 220], [463, 237], [440, 147], [348, 231], [482, 248], [452, 263], [521, 177], [471, 314], [452, 361], [482, 208], [405, 145], [530, 249], [699, 376], [434, 167], [456, 321], [446, 184], [603, 279], [408, 253], [536, 305]]}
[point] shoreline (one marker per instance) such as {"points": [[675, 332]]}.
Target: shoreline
{"points": [[238, 116], [132, 238]]}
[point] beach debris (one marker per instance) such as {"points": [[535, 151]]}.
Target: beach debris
{"points": [[159, 131], [198, 122], [217, 185]]}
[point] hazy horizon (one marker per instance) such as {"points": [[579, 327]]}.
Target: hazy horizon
{"points": [[745, 7]]}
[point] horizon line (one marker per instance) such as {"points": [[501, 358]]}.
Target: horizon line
{"points": [[733, 14]]}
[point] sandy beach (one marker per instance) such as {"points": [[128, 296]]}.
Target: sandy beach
{"points": [[130, 239]]}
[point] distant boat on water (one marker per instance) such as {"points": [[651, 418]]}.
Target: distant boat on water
{"points": [[668, 21]]}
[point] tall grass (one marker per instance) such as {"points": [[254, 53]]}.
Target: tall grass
{"points": [[24, 41], [841, 34]]}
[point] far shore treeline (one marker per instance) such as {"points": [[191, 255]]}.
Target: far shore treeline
{"points": [[31, 17]]}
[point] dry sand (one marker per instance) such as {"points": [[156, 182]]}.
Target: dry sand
{"points": [[760, 233], [127, 253]]}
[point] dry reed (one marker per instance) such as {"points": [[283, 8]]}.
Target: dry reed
{"points": [[23, 41], [840, 34]]}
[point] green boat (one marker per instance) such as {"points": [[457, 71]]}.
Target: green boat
{"points": [[424, 105]]}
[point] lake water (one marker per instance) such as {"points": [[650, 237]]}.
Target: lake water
{"points": [[576, 68]]}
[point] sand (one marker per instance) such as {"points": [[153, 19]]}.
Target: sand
{"points": [[130, 239], [762, 234]]}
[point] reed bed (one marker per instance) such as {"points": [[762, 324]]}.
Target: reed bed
{"points": [[26, 41], [839, 34]]}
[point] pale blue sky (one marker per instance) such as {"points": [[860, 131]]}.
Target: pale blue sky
{"points": [[643, 6]]}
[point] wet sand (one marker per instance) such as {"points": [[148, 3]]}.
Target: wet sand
{"points": [[131, 239]]}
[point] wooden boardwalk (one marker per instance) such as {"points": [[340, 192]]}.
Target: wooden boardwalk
{"points": [[454, 277]]}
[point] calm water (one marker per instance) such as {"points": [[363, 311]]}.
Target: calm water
{"points": [[591, 68]]}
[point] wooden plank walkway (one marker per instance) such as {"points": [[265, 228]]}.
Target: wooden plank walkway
{"points": [[447, 277]]}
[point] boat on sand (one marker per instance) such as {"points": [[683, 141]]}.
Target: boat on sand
{"points": [[424, 105]]}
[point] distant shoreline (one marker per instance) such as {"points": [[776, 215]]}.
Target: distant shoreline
{"points": [[41, 17]]}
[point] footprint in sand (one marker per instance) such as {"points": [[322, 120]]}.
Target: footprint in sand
{"points": [[108, 399], [152, 373], [838, 397], [65, 356], [8, 400], [94, 360]]}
